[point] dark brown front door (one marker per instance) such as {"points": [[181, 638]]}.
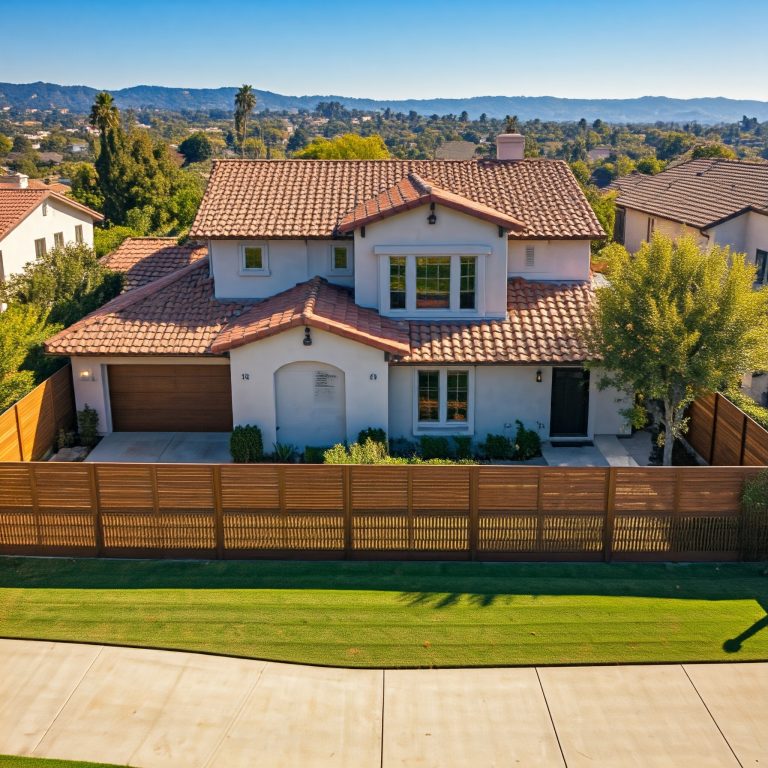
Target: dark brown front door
{"points": [[170, 398], [570, 402]]}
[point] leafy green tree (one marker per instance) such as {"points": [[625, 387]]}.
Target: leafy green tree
{"points": [[65, 284], [85, 183], [581, 172], [6, 145], [650, 166], [107, 240], [677, 321], [349, 146], [196, 148], [253, 148], [245, 102], [713, 150]]}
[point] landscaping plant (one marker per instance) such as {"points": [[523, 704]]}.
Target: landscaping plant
{"points": [[497, 447], [527, 443], [377, 434], [434, 447], [245, 444], [88, 426], [283, 452], [754, 527]]}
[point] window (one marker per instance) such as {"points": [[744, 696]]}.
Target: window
{"points": [[397, 282], [443, 399], [433, 282], [530, 256], [79, 233], [254, 259], [619, 225], [40, 249], [467, 287], [45, 208], [651, 227], [761, 262], [341, 261], [2, 268], [58, 240]]}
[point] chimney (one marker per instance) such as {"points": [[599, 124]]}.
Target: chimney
{"points": [[14, 181], [510, 146]]}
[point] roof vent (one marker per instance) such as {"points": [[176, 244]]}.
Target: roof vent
{"points": [[530, 256]]}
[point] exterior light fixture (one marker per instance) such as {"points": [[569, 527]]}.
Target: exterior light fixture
{"points": [[307, 338], [432, 218], [86, 375], [538, 377]]}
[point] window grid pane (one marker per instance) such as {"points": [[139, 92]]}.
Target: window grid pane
{"points": [[458, 395], [40, 248], [340, 257], [58, 240], [429, 395], [467, 285], [397, 282], [253, 258], [79, 233], [433, 283]]}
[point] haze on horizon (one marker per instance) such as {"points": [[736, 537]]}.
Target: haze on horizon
{"points": [[449, 49]]}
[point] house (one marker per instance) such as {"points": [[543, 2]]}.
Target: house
{"points": [[456, 150], [425, 297], [35, 219], [722, 202]]}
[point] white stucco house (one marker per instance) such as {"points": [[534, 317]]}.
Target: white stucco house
{"points": [[34, 220], [719, 202], [423, 297]]}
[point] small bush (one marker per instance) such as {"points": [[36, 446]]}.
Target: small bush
{"points": [[283, 452], [757, 412], [462, 446], [377, 434], [498, 447], [402, 447], [65, 439], [313, 454], [434, 447], [245, 444], [372, 452], [527, 443], [88, 426], [754, 528]]}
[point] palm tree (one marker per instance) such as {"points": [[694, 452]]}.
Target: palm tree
{"points": [[104, 114], [245, 101]]}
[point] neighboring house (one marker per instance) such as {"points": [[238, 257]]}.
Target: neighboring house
{"points": [[35, 220], [424, 297], [456, 150], [723, 202]]}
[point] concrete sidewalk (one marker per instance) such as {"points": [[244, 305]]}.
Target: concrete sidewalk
{"points": [[158, 708]]}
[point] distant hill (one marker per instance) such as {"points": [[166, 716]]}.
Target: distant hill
{"points": [[78, 98]]}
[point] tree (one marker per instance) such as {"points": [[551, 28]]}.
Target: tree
{"points": [[196, 148], [104, 115], [581, 171], [85, 183], [511, 124], [675, 322], [6, 145], [245, 101], [349, 146], [650, 166], [713, 150]]}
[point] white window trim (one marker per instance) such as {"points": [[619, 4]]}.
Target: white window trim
{"points": [[264, 271], [410, 285], [443, 426], [348, 270]]}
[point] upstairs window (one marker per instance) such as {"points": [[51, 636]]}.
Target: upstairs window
{"points": [[40, 249], [433, 283], [58, 240], [45, 208], [468, 279], [79, 233], [761, 262], [254, 259], [341, 260], [397, 282]]}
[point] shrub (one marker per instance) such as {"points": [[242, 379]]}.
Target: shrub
{"points": [[755, 411], [462, 447], [498, 447], [377, 434], [245, 444], [401, 446], [313, 454], [371, 452], [283, 452], [754, 527], [527, 443], [434, 447], [65, 439], [88, 426]]}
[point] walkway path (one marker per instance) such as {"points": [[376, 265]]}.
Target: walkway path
{"points": [[156, 708]]}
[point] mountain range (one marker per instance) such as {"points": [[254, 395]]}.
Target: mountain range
{"points": [[646, 109]]}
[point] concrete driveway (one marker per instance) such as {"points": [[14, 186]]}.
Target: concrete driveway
{"points": [[156, 709], [169, 447]]}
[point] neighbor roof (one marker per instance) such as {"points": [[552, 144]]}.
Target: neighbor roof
{"points": [[699, 193], [17, 204], [310, 198], [178, 315], [144, 259]]}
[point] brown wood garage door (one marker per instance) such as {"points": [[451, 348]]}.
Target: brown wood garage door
{"points": [[170, 398]]}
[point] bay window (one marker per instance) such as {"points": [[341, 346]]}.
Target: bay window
{"points": [[443, 399]]}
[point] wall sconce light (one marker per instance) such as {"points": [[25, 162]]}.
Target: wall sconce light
{"points": [[86, 375], [432, 218], [307, 338], [538, 377]]}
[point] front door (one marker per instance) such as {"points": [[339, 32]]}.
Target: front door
{"points": [[570, 402]]}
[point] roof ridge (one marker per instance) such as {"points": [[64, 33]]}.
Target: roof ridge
{"points": [[313, 285]]}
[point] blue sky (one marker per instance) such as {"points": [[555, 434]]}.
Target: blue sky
{"points": [[396, 49]]}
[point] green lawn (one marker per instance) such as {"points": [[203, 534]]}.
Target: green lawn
{"points": [[9, 761], [396, 614]]}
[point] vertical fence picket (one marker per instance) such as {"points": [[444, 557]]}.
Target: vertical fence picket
{"points": [[610, 515], [98, 523], [218, 511], [347, 478]]}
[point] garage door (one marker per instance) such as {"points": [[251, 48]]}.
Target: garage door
{"points": [[170, 398]]}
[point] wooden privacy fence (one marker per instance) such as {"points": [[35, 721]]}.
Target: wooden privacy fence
{"points": [[29, 428], [369, 512], [724, 435]]}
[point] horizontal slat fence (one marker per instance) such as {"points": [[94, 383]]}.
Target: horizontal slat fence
{"points": [[371, 512], [724, 435], [28, 429]]}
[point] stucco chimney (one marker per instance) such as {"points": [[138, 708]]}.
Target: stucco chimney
{"points": [[14, 181], [510, 146]]}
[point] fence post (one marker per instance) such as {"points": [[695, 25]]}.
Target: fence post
{"points": [[96, 508], [474, 511], [409, 471], [281, 505], [347, 498], [155, 504], [714, 429], [743, 449], [610, 515], [22, 457], [218, 512], [539, 511]]}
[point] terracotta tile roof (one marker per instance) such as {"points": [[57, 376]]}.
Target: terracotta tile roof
{"points": [[9, 182], [317, 304], [699, 192], [177, 315], [144, 259], [309, 198], [174, 315], [17, 204], [543, 325], [414, 191]]}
